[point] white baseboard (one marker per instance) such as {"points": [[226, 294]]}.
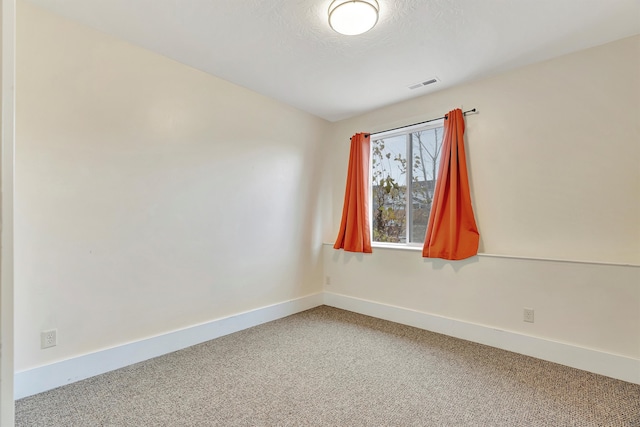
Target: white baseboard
{"points": [[47, 377], [611, 365]]}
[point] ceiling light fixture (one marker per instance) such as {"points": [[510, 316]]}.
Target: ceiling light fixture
{"points": [[352, 17]]}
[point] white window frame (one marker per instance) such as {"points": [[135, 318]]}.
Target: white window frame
{"points": [[407, 130]]}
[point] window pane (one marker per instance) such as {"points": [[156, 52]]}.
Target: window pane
{"points": [[389, 184], [425, 151]]}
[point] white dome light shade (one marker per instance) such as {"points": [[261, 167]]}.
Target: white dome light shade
{"points": [[352, 17]]}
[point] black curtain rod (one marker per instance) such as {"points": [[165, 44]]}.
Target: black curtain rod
{"points": [[421, 123]]}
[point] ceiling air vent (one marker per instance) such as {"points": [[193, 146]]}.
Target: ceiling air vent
{"points": [[425, 83]]}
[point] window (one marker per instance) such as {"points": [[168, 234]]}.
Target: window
{"points": [[404, 167]]}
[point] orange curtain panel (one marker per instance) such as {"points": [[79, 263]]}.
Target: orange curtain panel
{"points": [[452, 232], [354, 234]]}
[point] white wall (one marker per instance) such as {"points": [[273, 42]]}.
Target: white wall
{"points": [[588, 305], [553, 154], [7, 127], [150, 196], [554, 159]]}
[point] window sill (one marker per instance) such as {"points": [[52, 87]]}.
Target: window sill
{"points": [[396, 246]]}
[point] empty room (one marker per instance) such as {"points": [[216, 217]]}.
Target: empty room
{"points": [[322, 213]]}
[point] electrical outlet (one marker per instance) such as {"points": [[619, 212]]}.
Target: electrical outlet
{"points": [[48, 338], [327, 280], [528, 315]]}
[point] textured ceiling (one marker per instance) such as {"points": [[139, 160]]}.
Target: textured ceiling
{"points": [[285, 49]]}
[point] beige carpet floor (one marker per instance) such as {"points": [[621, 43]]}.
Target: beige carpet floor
{"points": [[329, 367]]}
